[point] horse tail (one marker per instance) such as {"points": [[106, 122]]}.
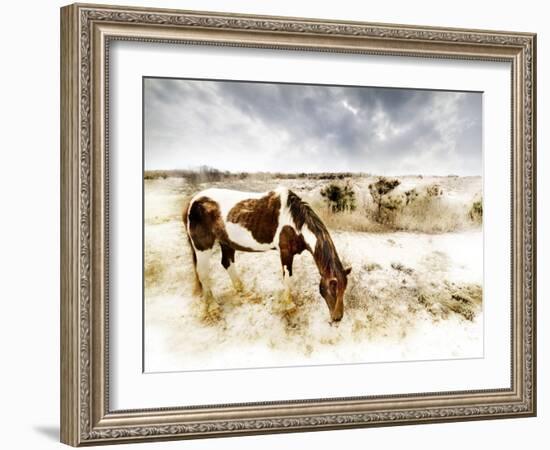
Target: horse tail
{"points": [[197, 287]]}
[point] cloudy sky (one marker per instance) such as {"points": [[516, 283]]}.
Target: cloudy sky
{"points": [[242, 126]]}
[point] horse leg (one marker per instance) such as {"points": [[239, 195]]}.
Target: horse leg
{"points": [[286, 260], [228, 262], [203, 271]]}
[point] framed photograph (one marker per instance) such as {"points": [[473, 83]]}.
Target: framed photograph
{"points": [[276, 224]]}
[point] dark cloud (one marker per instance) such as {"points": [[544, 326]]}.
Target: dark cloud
{"points": [[288, 127]]}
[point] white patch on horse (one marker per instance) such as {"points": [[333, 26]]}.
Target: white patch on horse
{"points": [[227, 199], [309, 237], [285, 218], [235, 279], [203, 269], [241, 236], [287, 296]]}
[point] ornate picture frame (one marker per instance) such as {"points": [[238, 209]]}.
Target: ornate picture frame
{"points": [[87, 32]]}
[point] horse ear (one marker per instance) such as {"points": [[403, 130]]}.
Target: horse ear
{"points": [[347, 271]]}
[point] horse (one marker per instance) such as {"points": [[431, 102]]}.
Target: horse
{"points": [[258, 222]]}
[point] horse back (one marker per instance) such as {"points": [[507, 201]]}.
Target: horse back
{"points": [[246, 221]]}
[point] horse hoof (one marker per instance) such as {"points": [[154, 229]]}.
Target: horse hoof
{"points": [[212, 313], [213, 308], [251, 297], [236, 301], [290, 308]]}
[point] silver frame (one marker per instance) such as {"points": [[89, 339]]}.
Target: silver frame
{"points": [[86, 33]]}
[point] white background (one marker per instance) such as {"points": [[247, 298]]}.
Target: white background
{"points": [[29, 237], [132, 389]]}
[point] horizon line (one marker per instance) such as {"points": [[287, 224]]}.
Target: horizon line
{"points": [[267, 172]]}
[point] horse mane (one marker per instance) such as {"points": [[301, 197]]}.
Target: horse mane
{"points": [[324, 252]]}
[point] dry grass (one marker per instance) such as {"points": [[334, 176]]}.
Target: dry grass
{"points": [[429, 207], [432, 215], [388, 301], [464, 300], [358, 220], [425, 215]]}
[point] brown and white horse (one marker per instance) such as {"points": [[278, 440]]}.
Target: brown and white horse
{"points": [[257, 222]]}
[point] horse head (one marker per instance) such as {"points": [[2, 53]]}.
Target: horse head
{"points": [[332, 288]]}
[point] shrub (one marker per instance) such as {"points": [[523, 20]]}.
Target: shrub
{"points": [[410, 196], [339, 197], [372, 267], [401, 268], [378, 191], [154, 174], [434, 190], [476, 211]]}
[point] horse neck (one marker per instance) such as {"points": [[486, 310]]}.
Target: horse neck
{"points": [[325, 256], [323, 250], [324, 253]]}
